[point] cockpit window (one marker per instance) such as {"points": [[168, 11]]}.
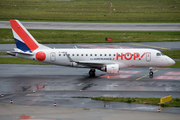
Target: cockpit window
{"points": [[158, 54], [162, 54]]}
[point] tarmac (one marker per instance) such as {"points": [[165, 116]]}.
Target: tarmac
{"points": [[153, 45], [98, 26], [61, 85], [13, 112]]}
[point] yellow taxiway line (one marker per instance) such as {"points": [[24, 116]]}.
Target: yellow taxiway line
{"points": [[145, 75], [164, 48]]}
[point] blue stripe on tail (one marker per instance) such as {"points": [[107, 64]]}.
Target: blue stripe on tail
{"points": [[22, 46]]}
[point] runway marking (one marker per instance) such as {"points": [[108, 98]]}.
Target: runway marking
{"points": [[30, 102], [34, 95], [35, 119], [145, 75], [172, 73], [130, 72], [115, 76], [168, 77], [79, 84], [120, 75], [149, 46]]}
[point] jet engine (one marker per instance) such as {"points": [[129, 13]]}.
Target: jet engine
{"points": [[73, 64], [113, 68]]}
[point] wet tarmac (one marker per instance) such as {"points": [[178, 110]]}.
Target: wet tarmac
{"points": [[98, 26], [70, 99], [21, 112], [57, 84], [62, 85]]}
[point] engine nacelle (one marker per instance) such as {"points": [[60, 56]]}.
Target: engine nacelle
{"points": [[73, 64], [114, 68]]}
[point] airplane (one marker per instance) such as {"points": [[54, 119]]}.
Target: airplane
{"points": [[107, 60]]}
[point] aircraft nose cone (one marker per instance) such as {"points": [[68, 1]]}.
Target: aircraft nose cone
{"points": [[172, 62]]}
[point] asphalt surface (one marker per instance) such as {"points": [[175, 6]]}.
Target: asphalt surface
{"points": [[61, 85], [98, 26], [56, 84], [13, 112], [154, 45]]}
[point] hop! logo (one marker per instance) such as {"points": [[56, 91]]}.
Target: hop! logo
{"points": [[129, 56]]}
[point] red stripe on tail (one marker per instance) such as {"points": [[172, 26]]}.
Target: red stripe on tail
{"points": [[23, 35]]}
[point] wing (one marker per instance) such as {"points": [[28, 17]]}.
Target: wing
{"points": [[94, 64]]}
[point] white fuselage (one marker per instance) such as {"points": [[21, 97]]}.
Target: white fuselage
{"points": [[122, 57], [108, 60]]}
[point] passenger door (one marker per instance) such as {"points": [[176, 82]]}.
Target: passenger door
{"points": [[148, 56], [53, 56]]}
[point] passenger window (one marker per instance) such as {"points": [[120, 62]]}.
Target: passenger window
{"points": [[59, 54], [86, 54], [114, 54], [90, 54], [64, 55], [81, 54], [104, 54], [72, 54], [77, 54], [100, 54], [95, 54], [109, 54]]}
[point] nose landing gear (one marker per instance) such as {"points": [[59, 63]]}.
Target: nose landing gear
{"points": [[151, 73]]}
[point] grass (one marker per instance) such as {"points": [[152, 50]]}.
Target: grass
{"points": [[173, 53], [85, 36], [153, 101], [3, 53], [176, 65], [4, 60], [91, 10]]}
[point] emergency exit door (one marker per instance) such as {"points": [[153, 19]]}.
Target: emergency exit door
{"points": [[148, 56], [53, 56]]}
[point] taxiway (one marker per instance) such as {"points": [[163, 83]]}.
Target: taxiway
{"points": [[98, 26]]}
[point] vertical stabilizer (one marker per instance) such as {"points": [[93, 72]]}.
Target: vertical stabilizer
{"points": [[24, 40]]}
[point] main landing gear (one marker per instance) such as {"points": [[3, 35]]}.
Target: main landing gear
{"points": [[92, 72]]}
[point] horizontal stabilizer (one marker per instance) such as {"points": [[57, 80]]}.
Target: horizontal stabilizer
{"points": [[13, 53]]}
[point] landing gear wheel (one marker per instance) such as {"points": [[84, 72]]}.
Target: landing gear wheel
{"points": [[92, 73], [151, 73]]}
